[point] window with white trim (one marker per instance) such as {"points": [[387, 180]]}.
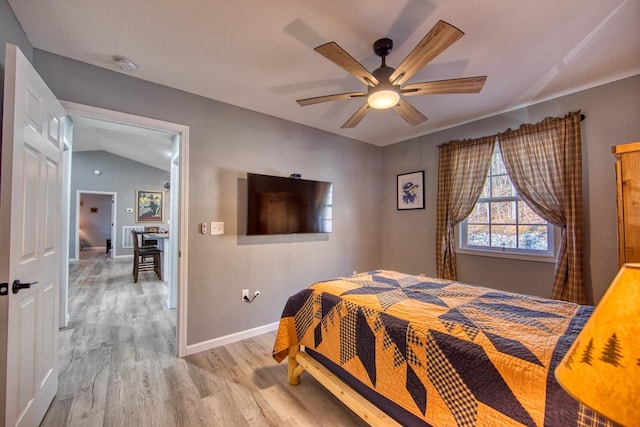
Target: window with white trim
{"points": [[503, 223]]}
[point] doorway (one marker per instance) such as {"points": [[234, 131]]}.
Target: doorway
{"points": [[95, 222], [177, 183]]}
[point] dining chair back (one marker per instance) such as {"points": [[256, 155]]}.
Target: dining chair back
{"points": [[145, 258]]}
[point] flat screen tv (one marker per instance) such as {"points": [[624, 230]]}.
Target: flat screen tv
{"points": [[279, 205]]}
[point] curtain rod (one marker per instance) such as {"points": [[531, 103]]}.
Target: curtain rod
{"points": [[582, 117]]}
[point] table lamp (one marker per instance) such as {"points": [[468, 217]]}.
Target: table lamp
{"points": [[602, 367]]}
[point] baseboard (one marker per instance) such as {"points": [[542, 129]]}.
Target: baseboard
{"points": [[228, 339]]}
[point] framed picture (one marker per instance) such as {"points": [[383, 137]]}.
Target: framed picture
{"points": [[411, 190], [149, 206]]}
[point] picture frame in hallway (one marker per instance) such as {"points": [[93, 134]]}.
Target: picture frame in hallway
{"points": [[149, 206], [410, 191]]}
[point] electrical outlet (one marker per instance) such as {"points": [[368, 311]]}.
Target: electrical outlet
{"points": [[203, 228], [245, 295]]}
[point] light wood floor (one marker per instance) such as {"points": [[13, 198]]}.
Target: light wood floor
{"points": [[118, 365]]}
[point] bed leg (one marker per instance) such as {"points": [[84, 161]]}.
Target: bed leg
{"points": [[294, 370]]}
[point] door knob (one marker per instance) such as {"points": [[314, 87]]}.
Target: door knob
{"points": [[17, 285]]}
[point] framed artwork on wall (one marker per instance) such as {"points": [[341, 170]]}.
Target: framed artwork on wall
{"points": [[149, 206], [411, 191]]}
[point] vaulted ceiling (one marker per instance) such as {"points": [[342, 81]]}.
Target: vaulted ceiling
{"points": [[259, 54], [147, 146]]}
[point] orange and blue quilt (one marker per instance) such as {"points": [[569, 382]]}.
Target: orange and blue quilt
{"points": [[451, 354]]}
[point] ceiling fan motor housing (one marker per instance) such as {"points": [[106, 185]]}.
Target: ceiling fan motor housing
{"points": [[383, 73]]}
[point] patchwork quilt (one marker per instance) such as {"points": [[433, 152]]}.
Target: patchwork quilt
{"points": [[447, 352]]}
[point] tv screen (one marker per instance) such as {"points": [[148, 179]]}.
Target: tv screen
{"points": [[279, 205]]}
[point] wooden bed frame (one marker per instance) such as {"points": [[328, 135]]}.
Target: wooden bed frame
{"points": [[299, 362]]}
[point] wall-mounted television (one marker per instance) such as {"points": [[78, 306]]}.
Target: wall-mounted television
{"points": [[285, 205]]}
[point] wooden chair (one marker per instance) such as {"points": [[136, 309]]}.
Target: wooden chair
{"points": [[145, 258]]}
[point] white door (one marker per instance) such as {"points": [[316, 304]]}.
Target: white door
{"points": [[30, 226]]}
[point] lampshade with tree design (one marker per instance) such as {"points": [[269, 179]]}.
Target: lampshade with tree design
{"points": [[602, 367]]}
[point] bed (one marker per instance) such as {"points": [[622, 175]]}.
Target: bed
{"points": [[414, 350]]}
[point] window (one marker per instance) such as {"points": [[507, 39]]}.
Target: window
{"points": [[502, 223]]}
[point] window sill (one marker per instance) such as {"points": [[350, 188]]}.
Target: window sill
{"points": [[507, 255]]}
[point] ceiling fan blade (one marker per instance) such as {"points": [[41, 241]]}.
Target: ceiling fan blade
{"points": [[357, 117], [334, 53], [441, 36], [409, 113], [327, 98], [463, 85]]}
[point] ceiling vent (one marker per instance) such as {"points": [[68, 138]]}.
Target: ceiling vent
{"points": [[124, 64]]}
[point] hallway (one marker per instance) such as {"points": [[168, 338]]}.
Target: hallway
{"points": [[118, 333], [118, 365]]}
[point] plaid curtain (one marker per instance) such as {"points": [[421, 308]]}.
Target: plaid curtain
{"points": [[462, 170], [544, 161]]}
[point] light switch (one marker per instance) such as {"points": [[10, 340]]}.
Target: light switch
{"points": [[217, 228]]}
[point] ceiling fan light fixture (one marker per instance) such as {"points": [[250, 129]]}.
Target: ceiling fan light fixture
{"points": [[383, 96]]}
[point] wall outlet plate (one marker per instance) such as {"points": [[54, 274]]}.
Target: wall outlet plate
{"points": [[245, 295], [217, 228]]}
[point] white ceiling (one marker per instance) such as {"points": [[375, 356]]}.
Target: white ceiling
{"points": [[259, 54], [147, 146]]}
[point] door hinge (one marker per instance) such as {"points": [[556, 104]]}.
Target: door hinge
{"points": [[4, 289]]}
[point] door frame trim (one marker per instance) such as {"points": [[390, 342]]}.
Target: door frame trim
{"points": [[88, 111]]}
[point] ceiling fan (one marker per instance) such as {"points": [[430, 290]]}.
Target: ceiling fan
{"points": [[386, 84]]}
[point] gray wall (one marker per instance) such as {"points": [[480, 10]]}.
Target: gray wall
{"points": [[226, 142], [11, 32], [119, 175], [612, 117]]}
